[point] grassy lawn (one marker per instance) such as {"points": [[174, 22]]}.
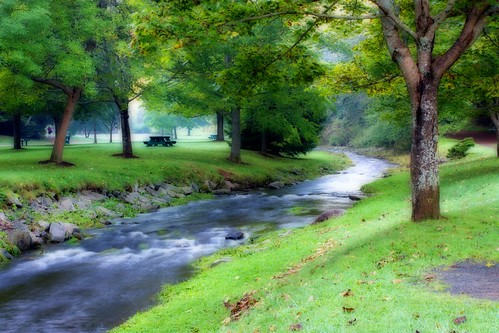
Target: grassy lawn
{"points": [[96, 168], [371, 270]]}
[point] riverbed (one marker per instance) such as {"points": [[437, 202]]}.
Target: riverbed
{"points": [[96, 284]]}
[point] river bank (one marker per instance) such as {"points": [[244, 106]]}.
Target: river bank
{"points": [[119, 269], [371, 270], [67, 201]]}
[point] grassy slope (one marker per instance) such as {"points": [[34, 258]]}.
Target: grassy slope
{"points": [[95, 168], [300, 277]]}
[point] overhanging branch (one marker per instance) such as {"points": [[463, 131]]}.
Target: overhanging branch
{"points": [[391, 14]]}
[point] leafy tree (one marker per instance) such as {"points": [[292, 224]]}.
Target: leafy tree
{"points": [[412, 36], [122, 70], [38, 39], [19, 96], [284, 121]]}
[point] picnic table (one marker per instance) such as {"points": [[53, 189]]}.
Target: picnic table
{"points": [[24, 141], [159, 140], [213, 137]]}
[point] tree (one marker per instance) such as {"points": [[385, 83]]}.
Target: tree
{"points": [[52, 42], [423, 57], [283, 120], [18, 97]]}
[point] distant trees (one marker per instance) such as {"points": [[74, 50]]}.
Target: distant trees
{"points": [[230, 65]]}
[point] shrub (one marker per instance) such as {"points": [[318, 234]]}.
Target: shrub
{"points": [[460, 148]]}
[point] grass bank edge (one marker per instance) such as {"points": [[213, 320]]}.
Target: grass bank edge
{"points": [[96, 169], [303, 276]]}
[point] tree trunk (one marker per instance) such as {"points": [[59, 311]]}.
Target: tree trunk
{"points": [[220, 126], [95, 130], [111, 134], [424, 162], [495, 119], [126, 133], [235, 148], [263, 148], [188, 131], [17, 131], [74, 95], [175, 132]]}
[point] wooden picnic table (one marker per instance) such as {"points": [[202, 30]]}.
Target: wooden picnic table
{"points": [[159, 140]]}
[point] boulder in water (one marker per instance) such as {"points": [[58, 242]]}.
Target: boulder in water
{"points": [[57, 232], [355, 197], [21, 238], [235, 235]]}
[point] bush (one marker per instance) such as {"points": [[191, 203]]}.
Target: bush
{"points": [[459, 149]]}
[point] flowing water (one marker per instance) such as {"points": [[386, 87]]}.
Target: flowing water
{"points": [[99, 282]]}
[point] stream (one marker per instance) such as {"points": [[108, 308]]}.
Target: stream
{"points": [[99, 282]]}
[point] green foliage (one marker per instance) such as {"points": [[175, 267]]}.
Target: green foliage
{"points": [[287, 119], [460, 148]]}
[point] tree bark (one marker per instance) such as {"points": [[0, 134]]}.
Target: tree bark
{"points": [[74, 95], [424, 162], [235, 148], [95, 130], [495, 119], [175, 132], [17, 131], [126, 134], [220, 126]]}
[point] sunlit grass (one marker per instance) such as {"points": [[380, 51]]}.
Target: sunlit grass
{"points": [[303, 276], [96, 168]]}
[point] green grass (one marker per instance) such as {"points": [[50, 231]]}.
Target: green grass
{"points": [[301, 277], [96, 168]]}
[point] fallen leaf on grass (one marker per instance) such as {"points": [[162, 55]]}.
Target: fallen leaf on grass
{"points": [[347, 293], [345, 309], [429, 277], [295, 327], [352, 321], [396, 281], [244, 304], [226, 321], [460, 320]]}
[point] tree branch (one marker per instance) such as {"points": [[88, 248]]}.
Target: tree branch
{"points": [[319, 15], [442, 16], [54, 83], [300, 38], [391, 14], [475, 22]]}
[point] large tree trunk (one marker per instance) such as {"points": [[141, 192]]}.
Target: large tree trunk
{"points": [[220, 126], [424, 161], [235, 148], [495, 119], [17, 131], [74, 95], [126, 134]]}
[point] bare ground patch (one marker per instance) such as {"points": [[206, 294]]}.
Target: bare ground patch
{"points": [[477, 280]]}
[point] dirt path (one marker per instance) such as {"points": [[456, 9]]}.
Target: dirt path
{"points": [[485, 138], [473, 279]]}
